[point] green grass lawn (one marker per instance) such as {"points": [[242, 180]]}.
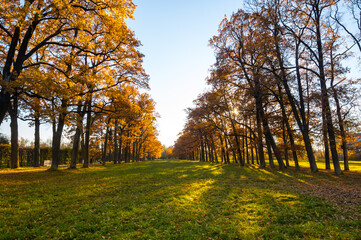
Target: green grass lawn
{"points": [[304, 163], [179, 200], [353, 165]]}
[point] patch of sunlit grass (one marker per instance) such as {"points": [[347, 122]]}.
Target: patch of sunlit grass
{"points": [[353, 165]]}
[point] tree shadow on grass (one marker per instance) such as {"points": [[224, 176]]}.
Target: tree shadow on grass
{"points": [[247, 203], [166, 200]]}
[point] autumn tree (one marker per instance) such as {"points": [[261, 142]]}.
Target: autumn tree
{"points": [[274, 84]]}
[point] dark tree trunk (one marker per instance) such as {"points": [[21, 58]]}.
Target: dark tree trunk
{"points": [[303, 128], [76, 138], [133, 151], [270, 157], [137, 148], [57, 134], [289, 129], [343, 133], [5, 104], [252, 143], [206, 151], [116, 157], [257, 158], [243, 149], [129, 151], [87, 135], [140, 146], [14, 155], [203, 159], [105, 146], [340, 118], [268, 134], [227, 151], [330, 128], [325, 100], [252, 153], [214, 150], [297, 112], [82, 144], [75, 150], [37, 141], [285, 142], [260, 154], [125, 152], [234, 153], [120, 151], [8, 76], [325, 142], [246, 143], [238, 145], [223, 152]]}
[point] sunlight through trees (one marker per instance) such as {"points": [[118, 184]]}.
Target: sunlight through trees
{"points": [[278, 88]]}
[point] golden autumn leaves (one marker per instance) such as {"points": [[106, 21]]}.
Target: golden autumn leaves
{"points": [[76, 57], [273, 87]]}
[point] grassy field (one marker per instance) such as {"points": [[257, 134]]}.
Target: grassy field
{"points": [[179, 200], [353, 165]]}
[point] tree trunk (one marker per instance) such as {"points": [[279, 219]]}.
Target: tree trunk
{"points": [[5, 104], [133, 151], [252, 143], [330, 129], [246, 143], [37, 141], [238, 145], [340, 118], [285, 142], [206, 151], [325, 100], [14, 155], [57, 134], [343, 133], [140, 146], [87, 134], [82, 144], [214, 150], [297, 112], [270, 157], [268, 134], [105, 146], [325, 142], [76, 138], [289, 129], [120, 153], [129, 151], [260, 155], [8, 76], [257, 157], [252, 153], [75, 150], [223, 152], [116, 142], [202, 151]]}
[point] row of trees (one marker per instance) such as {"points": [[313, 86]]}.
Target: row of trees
{"points": [[75, 64], [278, 85]]}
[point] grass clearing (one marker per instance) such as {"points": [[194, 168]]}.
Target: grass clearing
{"points": [[354, 165], [179, 200]]}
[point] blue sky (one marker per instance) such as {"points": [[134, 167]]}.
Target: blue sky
{"points": [[175, 35], [175, 38]]}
